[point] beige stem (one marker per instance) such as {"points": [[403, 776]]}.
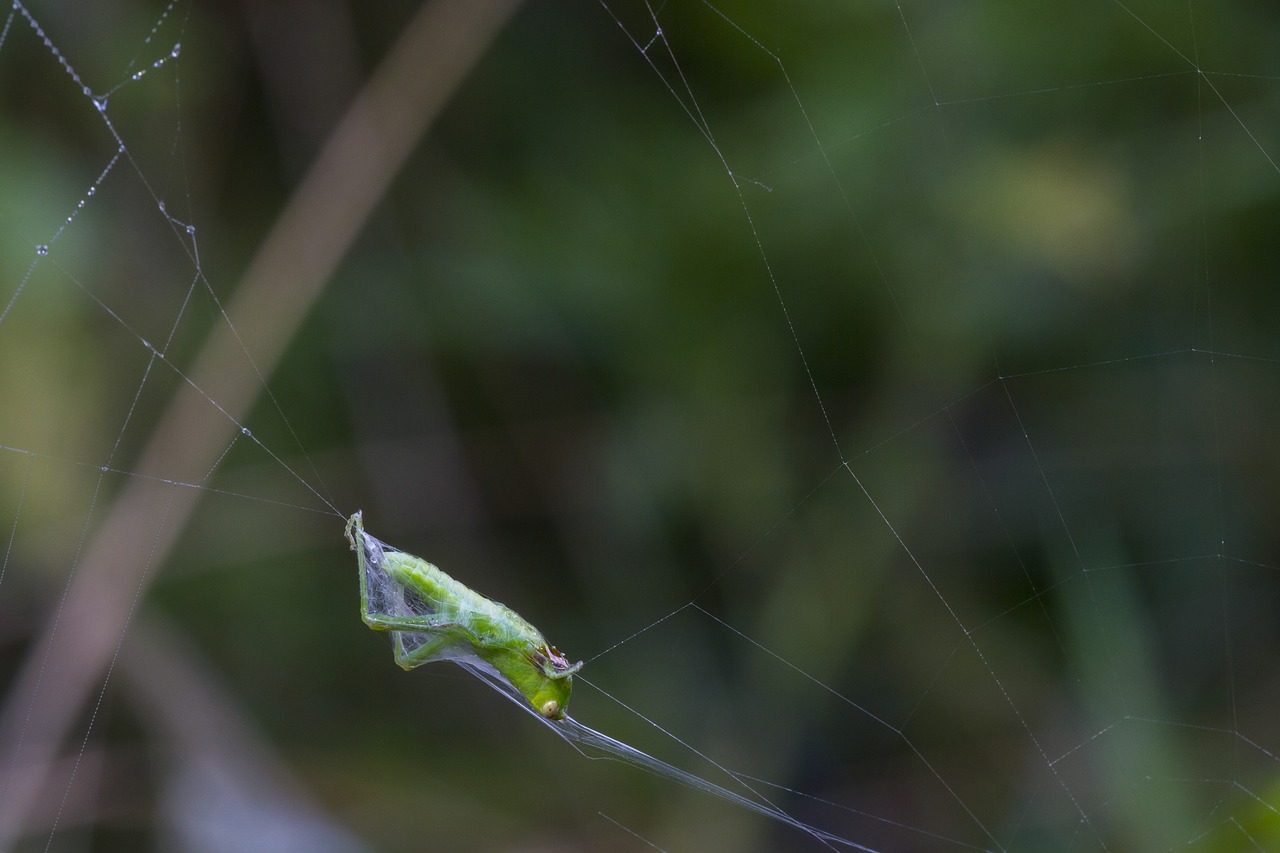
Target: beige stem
{"points": [[324, 215]]}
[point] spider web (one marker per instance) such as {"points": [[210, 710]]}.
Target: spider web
{"points": [[877, 396]]}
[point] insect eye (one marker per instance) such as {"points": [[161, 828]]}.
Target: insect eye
{"points": [[550, 708]]}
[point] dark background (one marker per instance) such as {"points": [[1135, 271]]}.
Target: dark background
{"points": [[1003, 277]]}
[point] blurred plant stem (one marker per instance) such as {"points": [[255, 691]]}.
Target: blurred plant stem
{"points": [[325, 213]]}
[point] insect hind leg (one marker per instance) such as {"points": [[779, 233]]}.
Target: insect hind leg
{"points": [[436, 636], [424, 653]]}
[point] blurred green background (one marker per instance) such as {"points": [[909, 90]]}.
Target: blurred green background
{"points": [[961, 402]]}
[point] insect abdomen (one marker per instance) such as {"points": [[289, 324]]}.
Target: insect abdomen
{"points": [[450, 603]]}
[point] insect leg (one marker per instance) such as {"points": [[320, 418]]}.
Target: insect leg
{"points": [[423, 653], [438, 636]]}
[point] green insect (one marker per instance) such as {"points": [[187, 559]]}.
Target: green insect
{"points": [[434, 617]]}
